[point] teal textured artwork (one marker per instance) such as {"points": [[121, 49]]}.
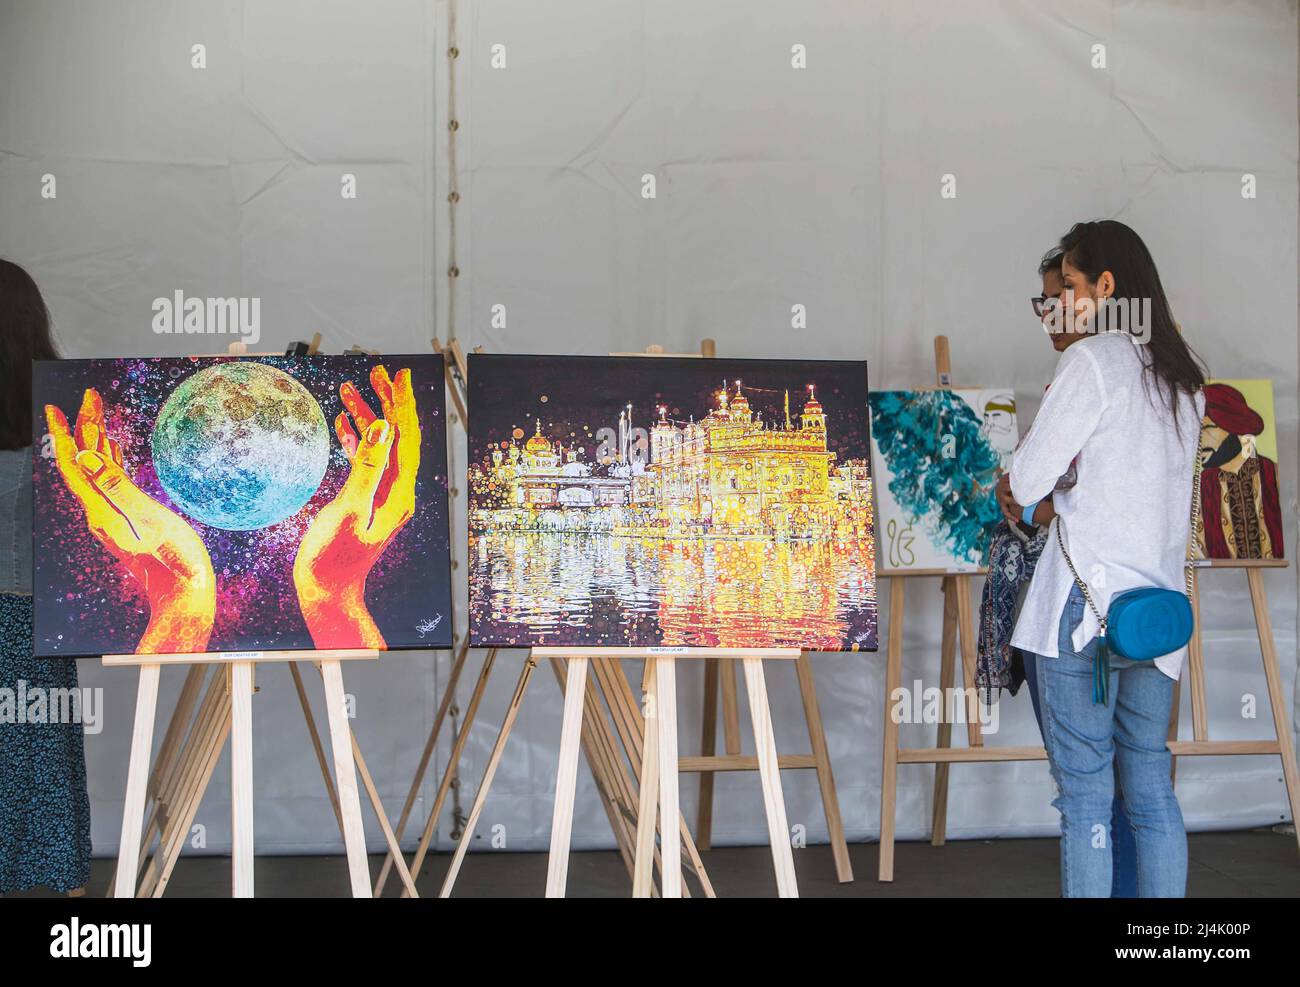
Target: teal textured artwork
{"points": [[940, 454]]}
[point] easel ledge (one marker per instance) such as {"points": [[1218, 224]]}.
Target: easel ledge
{"points": [[665, 652], [229, 657], [1240, 563], [890, 573]]}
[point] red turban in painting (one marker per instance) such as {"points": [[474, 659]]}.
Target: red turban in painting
{"points": [[1226, 408]]}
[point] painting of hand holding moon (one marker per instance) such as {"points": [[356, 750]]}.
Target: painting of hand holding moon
{"points": [[190, 505]]}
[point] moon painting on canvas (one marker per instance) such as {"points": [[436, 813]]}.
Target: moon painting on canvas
{"points": [[206, 504]]}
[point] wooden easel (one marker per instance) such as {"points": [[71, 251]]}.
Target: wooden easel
{"points": [[611, 720], [192, 746], [230, 708], [1283, 745], [657, 775], [598, 715], [958, 626], [602, 735]]}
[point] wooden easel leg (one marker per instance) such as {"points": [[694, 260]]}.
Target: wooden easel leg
{"points": [[643, 874], [166, 791], [448, 694], [720, 675], [1285, 742], [730, 706], [480, 797], [345, 778], [889, 760], [708, 747], [670, 848], [377, 804], [633, 734], [169, 764], [612, 780], [769, 770], [192, 795], [966, 637], [947, 672], [372, 793], [601, 761], [566, 777], [453, 761], [172, 744], [241, 779], [137, 782], [1196, 663], [825, 778], [187, 782], [316, 744]]}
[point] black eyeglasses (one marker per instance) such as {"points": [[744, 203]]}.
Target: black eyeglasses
{"points": [[1044, 304]]}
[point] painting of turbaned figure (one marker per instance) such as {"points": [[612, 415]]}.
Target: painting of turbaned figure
{"points": [[1241, 515]]}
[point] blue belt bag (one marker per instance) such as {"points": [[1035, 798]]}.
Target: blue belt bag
{"points": [[1144, 623]]}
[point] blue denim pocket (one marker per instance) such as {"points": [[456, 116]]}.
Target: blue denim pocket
{"points": [[1075, 606]]}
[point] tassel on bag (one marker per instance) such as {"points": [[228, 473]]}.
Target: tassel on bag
{"points": [[1101, 671]]}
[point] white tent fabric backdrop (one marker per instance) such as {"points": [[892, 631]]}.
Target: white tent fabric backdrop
{"points": [[776, 187]]}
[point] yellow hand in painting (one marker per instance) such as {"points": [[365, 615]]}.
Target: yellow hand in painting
{"points": [[351, 532], [157, 547]]}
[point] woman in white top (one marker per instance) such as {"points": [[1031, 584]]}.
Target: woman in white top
{"points": [[1125, 405]]}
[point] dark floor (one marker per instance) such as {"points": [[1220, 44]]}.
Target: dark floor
{"points": [[1256, 863]]}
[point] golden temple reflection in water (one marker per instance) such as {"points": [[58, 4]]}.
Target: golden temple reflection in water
{"points": [[738, 594], [539, 588]]}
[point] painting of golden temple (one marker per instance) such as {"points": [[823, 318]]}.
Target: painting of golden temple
{"points": [[670, 502]]}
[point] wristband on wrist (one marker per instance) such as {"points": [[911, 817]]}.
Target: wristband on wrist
{"points": [[1027, 515]]}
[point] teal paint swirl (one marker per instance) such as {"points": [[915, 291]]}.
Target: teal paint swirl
{"points": [[944, 469]]}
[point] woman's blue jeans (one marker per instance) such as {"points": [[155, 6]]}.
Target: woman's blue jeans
{"points": [[1110, 845]]}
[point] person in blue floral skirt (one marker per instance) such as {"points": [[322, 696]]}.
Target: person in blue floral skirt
{"points": [[44, 809]]}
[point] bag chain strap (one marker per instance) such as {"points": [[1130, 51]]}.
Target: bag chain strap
{"points": [[1101, 618], [1188, 567]]}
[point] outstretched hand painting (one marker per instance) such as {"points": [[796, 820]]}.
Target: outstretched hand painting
{"points": [[670, 502], [208, 504], [937, 456]]}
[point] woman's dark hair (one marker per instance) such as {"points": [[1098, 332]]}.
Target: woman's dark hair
{"points": [[1108, 245], [1051, 261], [24, 337]]}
